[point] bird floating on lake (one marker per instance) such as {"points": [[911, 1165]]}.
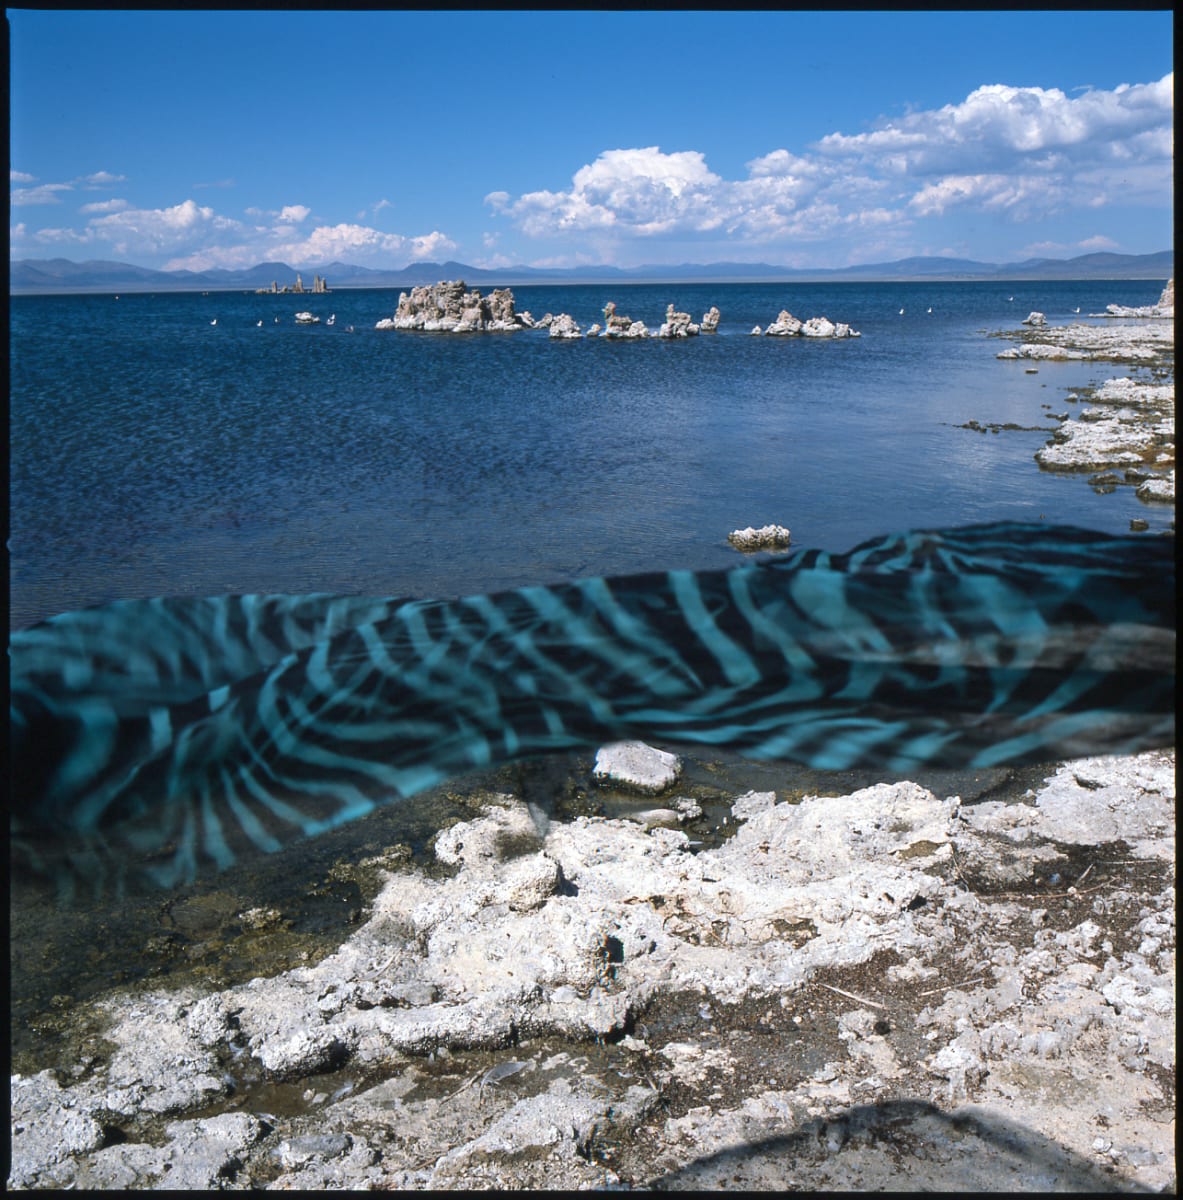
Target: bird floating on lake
{"points": [[214, 321], [1076, 310], [332, 320], [930, 310], [154, 739], [258, 324], [901, 312]]}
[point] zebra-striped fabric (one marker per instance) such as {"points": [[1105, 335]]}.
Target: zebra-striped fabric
{"points": [[168, 735]]}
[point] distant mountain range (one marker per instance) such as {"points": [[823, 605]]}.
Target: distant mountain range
{"points": [[62, 275]]}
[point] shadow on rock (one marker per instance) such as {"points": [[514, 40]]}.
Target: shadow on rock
{"points": [[901, 1144]]}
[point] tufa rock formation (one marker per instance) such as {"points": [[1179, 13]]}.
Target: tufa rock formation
{"points": [[787, 325], [449, 307], [768, 537], [677, 325]]}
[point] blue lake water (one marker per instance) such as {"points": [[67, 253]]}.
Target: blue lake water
{"points": [[153, 452]]}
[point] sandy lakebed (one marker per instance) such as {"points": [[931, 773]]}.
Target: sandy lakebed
{"points": [[952, 983]]}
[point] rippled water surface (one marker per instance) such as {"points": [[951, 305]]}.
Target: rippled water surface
{"points": [[155, 452]]}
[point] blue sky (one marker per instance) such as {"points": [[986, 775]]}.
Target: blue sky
{"points": [[805, 139]]}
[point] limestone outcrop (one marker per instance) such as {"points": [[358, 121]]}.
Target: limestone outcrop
{"points": [[787, 325], [677, 324], [1035, 318], [767, 537], [564, 326], [1164, 308], [616, 326], [451, 307], [891, 988]]}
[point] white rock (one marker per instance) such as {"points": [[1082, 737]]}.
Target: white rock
{"points": [[819, 327], [637, 766], [751, 803], [1160, 489], [767, 537], [564, 326], [785, 325], [1102, 443]]}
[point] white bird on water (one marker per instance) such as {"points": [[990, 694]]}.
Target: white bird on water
{"points": [[258, 324], [1076, 310], [930, 310], [214, 321], [901, 312], [331, 319]]}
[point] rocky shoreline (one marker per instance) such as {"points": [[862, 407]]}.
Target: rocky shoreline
{"points": [[888, 989], [1126, 435]]}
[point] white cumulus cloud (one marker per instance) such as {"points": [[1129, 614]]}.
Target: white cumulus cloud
{"points": [[1022, 152], [139, 231]]}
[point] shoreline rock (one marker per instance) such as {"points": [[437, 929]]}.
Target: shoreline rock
{"points": [[1165, 307], [636, 766], [829, 992], [1130, 423]]}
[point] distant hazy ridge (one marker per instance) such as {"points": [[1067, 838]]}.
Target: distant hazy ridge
{"points": [[62, 275]]}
